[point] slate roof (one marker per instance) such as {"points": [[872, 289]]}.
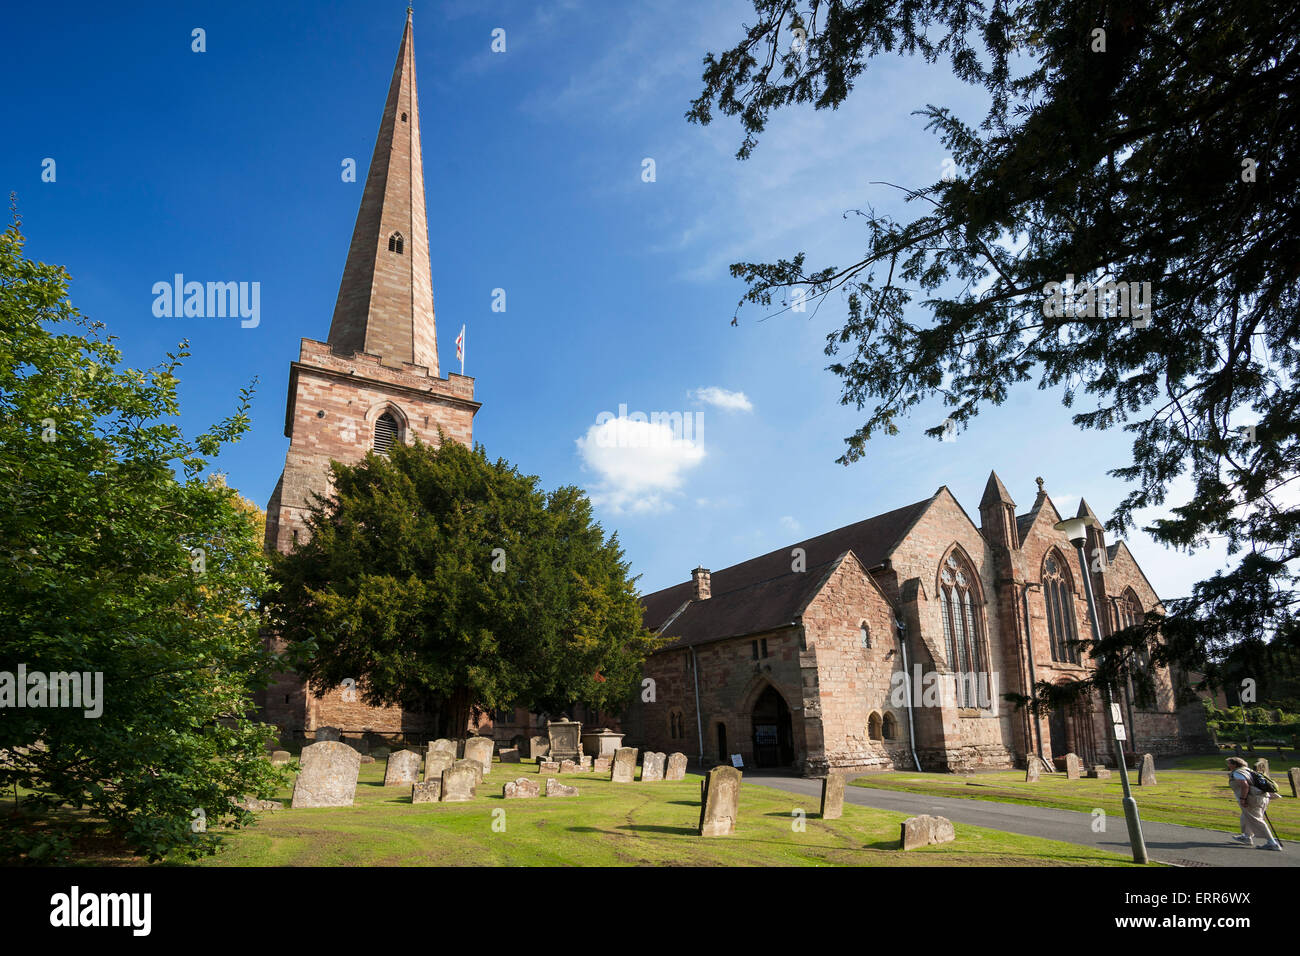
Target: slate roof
{"points": [[763, 593]]}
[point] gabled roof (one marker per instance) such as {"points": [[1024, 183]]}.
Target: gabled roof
{"points": [[764, 593]]}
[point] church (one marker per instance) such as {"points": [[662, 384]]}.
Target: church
{"points": [[887, 644]]}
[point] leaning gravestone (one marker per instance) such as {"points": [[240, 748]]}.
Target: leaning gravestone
{"points": [[1294, 776], [1147, 778], [326, 734], [1072, 766], [652, 767], [427, 792], [402, 769], [833, 796], [520, 788], [1032, 771], [473, 765], [509, 754], [1261, 766], [556, 789], [436, 762], [328, 776], [719, 798], [624, 769], [538, 747], [280, 758], [480, 749], [443, 745], [925, 830], [676, 767], [459, 781]]}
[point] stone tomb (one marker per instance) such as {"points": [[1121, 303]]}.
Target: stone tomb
{"points": [[402, 769], [520, 788], [480, 749], [676, 769], [719, 799], [436, 762], [624, 768], [459, 781], [1072, 766], [1147, 777], [925, 830], [430, 791], [565, 738], [833, 796], [556, 789], [328, 776], [652, 767]]}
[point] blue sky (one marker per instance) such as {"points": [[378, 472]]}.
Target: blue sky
{"points": [[225, 166]]}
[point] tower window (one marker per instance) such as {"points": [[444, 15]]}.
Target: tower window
{"points": [[385, 433], [403, 117], [395, 243]]}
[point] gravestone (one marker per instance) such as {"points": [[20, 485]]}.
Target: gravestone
{"points": [[569, 766], [548, 766], [602, 764], [925, 830], [473, 765], [565, 738], [584, 762], [480, 749], [444, 745], [326, 734], [328, 776], [254, 805], [719, 799], [833, 796], [509, 754], [1072, 766], [1147, 778], [1294, 776], [520, 788], [280, 758], [624, 769], [538, 747], [1098, 773], [436, 762], [380, 753], [402, 769], [459, 781], [1032, 771], [428, 791], [366, 758], [676, 769], [556, 789], [1261, 766], [652, 767]]}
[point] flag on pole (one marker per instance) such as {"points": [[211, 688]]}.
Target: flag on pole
{"points": [[460, 349]]}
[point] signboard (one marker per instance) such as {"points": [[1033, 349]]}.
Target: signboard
{"points": [[1115, 716], [736, 761], [1120, 733]]}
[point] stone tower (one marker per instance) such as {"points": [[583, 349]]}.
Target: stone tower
{"points": [[375, 378]]}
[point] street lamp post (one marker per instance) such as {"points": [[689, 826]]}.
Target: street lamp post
{"points": [[1076, 530]]}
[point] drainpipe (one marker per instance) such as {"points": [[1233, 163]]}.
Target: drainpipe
{"points": [[1033, 675], [699, 721], [907, 682]]}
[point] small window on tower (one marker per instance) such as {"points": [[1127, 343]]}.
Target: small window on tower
{"points": [[403, 117], [385, 433], [395, 243]]}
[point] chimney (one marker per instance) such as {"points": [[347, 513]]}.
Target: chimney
{"points": [[703, 588]]}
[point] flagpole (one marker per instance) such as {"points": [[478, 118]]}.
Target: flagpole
{"points": [[462, 350]]}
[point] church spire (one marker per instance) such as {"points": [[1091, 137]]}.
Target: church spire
{"points": [[385, 301]]}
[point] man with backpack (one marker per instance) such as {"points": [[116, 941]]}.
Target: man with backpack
{"points": [[1253, 791]]}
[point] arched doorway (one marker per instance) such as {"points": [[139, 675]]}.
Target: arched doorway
{"points": [[773, 741], [1072, 732]]}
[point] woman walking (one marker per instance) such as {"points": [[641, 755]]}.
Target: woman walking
{"points": [[1253, 802]]}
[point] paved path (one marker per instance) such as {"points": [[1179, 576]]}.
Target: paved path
{"points": [[1166, 842]]}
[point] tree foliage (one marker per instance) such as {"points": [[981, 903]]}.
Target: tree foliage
{"points": [[443, 582], [118, 559], [1132, 142]]}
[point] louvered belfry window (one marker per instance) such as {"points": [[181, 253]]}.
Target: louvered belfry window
{"points": [[385, 433]]}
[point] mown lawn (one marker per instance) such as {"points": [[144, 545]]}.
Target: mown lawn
{"points": [[608, 824], [1191, 798], [1215, 762]]}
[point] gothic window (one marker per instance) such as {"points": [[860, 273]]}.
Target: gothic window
{"points": [[395, 243], [961, 611], [890, 727], [864, 634], [874, 727], [1058, 593], [676, 725], [1131, 615], [385, 433]]}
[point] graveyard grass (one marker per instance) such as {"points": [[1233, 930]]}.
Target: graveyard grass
{"points": [[608, 824], [1191, 798]]}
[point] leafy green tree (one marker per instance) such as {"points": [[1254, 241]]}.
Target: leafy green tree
{"points": [[115, 567], [1133, 142], [446, 583]]}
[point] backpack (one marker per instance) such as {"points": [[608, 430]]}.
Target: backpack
{"points": [[1261, 782]]}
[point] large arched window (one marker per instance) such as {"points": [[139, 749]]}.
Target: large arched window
{"points": [[385, 432], [1058, 593], [1130, 614], [874, 730], [963, 632], [890, 727]]}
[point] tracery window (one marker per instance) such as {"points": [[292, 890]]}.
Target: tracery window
{"points": [[395, 243], [961, 609], [1058, 593]]}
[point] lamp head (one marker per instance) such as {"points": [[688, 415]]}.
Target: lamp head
{"points": [[1076, 529]]}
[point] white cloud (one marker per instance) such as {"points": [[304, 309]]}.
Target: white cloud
{"points": [[638, 463], [721, 398], [790, 524]]}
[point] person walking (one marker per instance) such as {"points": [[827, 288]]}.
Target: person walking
{"points": [[1253, 801]]}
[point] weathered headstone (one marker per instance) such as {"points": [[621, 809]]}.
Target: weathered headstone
{"points": [[556, 789], [548, 766], [366, 758], [429, 791], [925, 830], [436, 762], [1261, 766], [1294, 776], [473, 765], [520, 788], [652, 767], [280, 758], [569, 766], [602, 764], [459, 781], [584, 762], [538, 747], [1147, 777], [480, 749], [380, 753], [254, 805], [1032, 770], [1098, 773], [328, 776], [1072, 766], [676, 769], [719, 799], [326, 734], [833, 796], [624, 768], [444, 745], [509, 754], [402, 769]]}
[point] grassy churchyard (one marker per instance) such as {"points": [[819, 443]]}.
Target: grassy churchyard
{"points": [[608, 824], [1194, 798]]}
